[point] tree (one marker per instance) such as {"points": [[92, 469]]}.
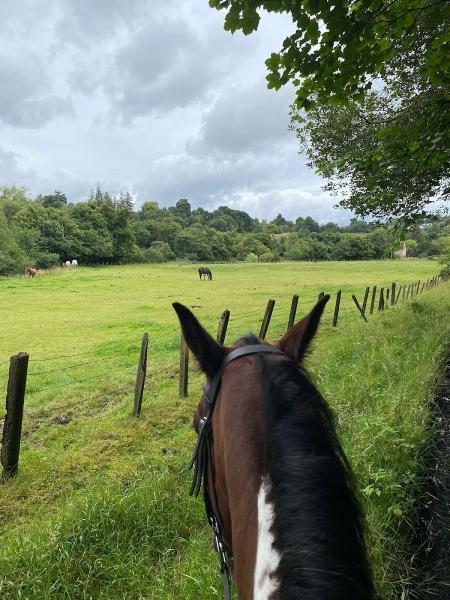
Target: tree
{"points": [[396, 140], [55, 200], [339, 46]]}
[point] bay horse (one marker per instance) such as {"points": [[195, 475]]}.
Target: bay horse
{"points": [[278, 489], [30, 271], [205, 273]]}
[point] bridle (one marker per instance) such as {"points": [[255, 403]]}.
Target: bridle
{"points": [[202, 461]]}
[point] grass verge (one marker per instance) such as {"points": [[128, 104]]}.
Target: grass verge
{"points": [[101, 510]]}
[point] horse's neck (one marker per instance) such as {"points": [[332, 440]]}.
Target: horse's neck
{"points": [[238, 450]]}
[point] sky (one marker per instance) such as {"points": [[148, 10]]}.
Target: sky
{"points": [[152, 97]]}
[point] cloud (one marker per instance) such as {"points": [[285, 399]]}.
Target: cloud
{"points": [[26, 99], [291, 203], [246, 118], [153, 96]]}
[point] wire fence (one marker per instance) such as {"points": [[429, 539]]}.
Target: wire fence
{"points": [[119, 358]]}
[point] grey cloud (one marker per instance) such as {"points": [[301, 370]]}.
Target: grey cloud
{"points": [[244, 119], [163, 67], [25, 100]]}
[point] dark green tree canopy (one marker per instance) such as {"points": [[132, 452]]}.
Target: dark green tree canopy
{"points": [[339, 45]]}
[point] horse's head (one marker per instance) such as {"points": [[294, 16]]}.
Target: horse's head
{"points": [[276, 480]]}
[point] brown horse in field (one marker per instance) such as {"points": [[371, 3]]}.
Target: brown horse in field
{"points": [[205, 273], [30, 271], [278, 490]]}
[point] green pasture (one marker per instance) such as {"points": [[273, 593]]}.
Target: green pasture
{"points": [[100, 508]]}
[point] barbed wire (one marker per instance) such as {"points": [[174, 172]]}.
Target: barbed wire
{"points": [[77, 381], [83, 364]]}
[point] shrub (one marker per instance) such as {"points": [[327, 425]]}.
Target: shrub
{"points": [[251, 257]]}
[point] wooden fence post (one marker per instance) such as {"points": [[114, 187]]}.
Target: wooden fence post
{"points": [[366, 297], [355, 300], [387, 297], [184, 369], [372, 302], [12, 427], [140, 377], [381, 300], [266, 319], [398, 294], [393, 286], [223, 326], [293, 311], [403, 292], [336, 308], [418, 286]]}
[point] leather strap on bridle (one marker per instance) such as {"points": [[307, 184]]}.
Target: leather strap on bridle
{"points": [[202, 461]]}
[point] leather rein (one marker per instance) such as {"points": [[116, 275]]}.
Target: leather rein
{"points": [[203, 463]]}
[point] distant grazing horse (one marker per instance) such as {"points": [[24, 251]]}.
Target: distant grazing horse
{"points": [[278, 489], [68, 264], [205, 273], [74, 263], [30, 271]]}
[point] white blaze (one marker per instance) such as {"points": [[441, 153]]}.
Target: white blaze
{"points": [[267, 558]]}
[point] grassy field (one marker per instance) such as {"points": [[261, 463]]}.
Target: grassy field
{"points": [[100, 507]]}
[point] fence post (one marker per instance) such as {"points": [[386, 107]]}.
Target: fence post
{"points": [[366, 296], [407, 292], [184, 368], [140, 377], [293, 311], [372, 302], [393, 286], [387, 296], [336, 308], [355, 300], [418, 286], [398, 295], [223, 326], [381, 300], [266, 319], [12, 427]]}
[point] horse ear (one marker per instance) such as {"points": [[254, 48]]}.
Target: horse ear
{"points": [[208, 352], [296, 340]]}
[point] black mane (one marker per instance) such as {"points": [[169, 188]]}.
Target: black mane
{"points": [[318, 525]]}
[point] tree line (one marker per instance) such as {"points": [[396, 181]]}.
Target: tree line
{"points": [[46, 231]]}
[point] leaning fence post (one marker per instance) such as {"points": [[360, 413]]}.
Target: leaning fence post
{"points": [[12, 427], [293, 311], [266, 319], [184, 368], [387, 296], [366, 296], [355, 300], [403, 292], [336, 308], [140, 377], [381, 300], [223, 326], [372, 302], [398, 294], [393, 286]]}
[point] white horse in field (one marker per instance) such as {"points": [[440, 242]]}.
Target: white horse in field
{"points": [[67, 263], [74, 263]]}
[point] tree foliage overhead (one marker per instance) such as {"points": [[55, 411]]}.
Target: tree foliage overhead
{"points": [[374, 79]]}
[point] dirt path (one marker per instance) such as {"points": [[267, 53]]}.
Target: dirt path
{"points": [[432, 559]]}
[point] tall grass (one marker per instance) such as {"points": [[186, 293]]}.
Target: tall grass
{"points": [[100, 506]]}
